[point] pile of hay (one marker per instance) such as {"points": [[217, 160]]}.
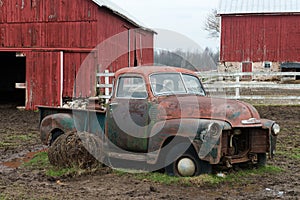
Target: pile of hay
{"points": [[80, 149]]}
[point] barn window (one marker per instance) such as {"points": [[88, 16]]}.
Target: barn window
{"points": [[267, 65]]}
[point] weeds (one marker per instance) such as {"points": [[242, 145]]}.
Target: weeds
{"points": [[205, 179], [3, 197], [41, 161], [6, 144]]}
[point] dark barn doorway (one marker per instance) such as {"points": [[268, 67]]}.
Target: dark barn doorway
{"points": [[291, 67], [13, 70]]}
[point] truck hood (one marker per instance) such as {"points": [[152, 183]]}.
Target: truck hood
{"points": [[201, 107]]}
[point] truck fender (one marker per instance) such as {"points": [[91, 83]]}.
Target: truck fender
{"points": [[61, 121], [267, 124], [190, 130]]}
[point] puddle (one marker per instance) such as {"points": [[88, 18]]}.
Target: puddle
{"points": [[16, 160]]}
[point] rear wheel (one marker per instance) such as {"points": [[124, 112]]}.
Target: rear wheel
{"points": [[186, 164], [54, 135]]}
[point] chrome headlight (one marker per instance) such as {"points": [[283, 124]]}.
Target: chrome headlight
{"points": [[275, 129]]}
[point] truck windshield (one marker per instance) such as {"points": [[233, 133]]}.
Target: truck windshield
{"points": [[175, 83]]}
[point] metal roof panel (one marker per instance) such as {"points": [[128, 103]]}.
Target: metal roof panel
{"points": [[258, 6], [121, 13]]}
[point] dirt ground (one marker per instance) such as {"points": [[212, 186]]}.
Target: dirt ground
{"points": [[19, 136]]}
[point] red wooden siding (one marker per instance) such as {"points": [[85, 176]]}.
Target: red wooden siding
{"points": [[49, 29], [47, 10], [79, 77], [246, 67], [43, 78], [260, 38]]}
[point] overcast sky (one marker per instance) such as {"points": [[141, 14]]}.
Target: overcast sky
{"points": [[183, 17]]}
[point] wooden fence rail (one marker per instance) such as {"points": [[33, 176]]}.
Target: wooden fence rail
{"points": [[214, 83], [223, 83]]}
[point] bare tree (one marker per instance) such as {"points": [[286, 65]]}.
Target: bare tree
{"points": [[212, 24]]}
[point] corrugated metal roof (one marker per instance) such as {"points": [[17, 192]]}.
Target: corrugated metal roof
{"points": [[258, 6], [122, 13]]}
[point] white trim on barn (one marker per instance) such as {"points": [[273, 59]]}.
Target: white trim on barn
{"points": [[122, 13]]}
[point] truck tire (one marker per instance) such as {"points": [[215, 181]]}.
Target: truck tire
{"points": [[261, 159], [54, 135], [186, 164], [69, 150]]}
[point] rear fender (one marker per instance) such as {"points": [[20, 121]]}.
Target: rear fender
{"points": [[61, 121]]}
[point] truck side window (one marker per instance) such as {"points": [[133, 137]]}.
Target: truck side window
{"points": [[167, 84], [131, 87], [193, 84]]}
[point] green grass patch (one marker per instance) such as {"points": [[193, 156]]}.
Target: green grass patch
{"points": [[242, 174], [41, 161], [26, 137], [293, 153], [7, 144], [205, 179], [58, 172], [3, 197]]}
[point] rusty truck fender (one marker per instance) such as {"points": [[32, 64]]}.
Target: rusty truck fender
{"points": [[188, 130], [60, 121], [268, 124]]}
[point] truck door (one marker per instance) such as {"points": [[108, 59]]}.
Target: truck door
{"points": [[128, 114]]}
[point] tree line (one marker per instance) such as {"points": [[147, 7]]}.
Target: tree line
{"points": [[194, 60]]}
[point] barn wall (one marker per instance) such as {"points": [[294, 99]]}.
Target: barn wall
{"points": [[55, 31], [25, 11], [256, 67], [79, 78], [49, 23], [43, 83], [260, 38]]}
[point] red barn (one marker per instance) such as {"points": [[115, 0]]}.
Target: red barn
{"points": [[44, 43], [259, 35]]}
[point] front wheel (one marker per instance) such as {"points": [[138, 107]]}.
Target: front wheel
{"points": [[186, 164], [261, 159]]}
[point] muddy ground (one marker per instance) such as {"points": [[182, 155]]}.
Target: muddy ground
{"points": [[19, 135]]}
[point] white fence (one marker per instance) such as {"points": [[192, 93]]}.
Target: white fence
{"points": [[229, 85], [106, 85]]}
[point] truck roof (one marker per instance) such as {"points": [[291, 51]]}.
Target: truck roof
{"points": [[148, 70]]}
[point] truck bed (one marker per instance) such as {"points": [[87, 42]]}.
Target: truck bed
{"points": [[92, 121]]}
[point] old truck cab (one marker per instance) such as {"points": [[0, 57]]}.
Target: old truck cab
{"points": [[162, 117]]}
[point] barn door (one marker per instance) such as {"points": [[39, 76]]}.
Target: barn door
{"points": [[12, 78], [247, 67]]}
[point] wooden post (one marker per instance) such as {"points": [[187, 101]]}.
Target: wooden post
{"points": [[237, 89], [106, 81]]}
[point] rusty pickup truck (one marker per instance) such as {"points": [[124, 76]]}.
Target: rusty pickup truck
{"points": [[163, 118]]}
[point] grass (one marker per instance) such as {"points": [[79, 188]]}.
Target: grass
{"points": [[293, 153], [3, 197], [40, 160], [6, 144], [24, 138], [17, 140], [205, 179], [296, 153]]}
